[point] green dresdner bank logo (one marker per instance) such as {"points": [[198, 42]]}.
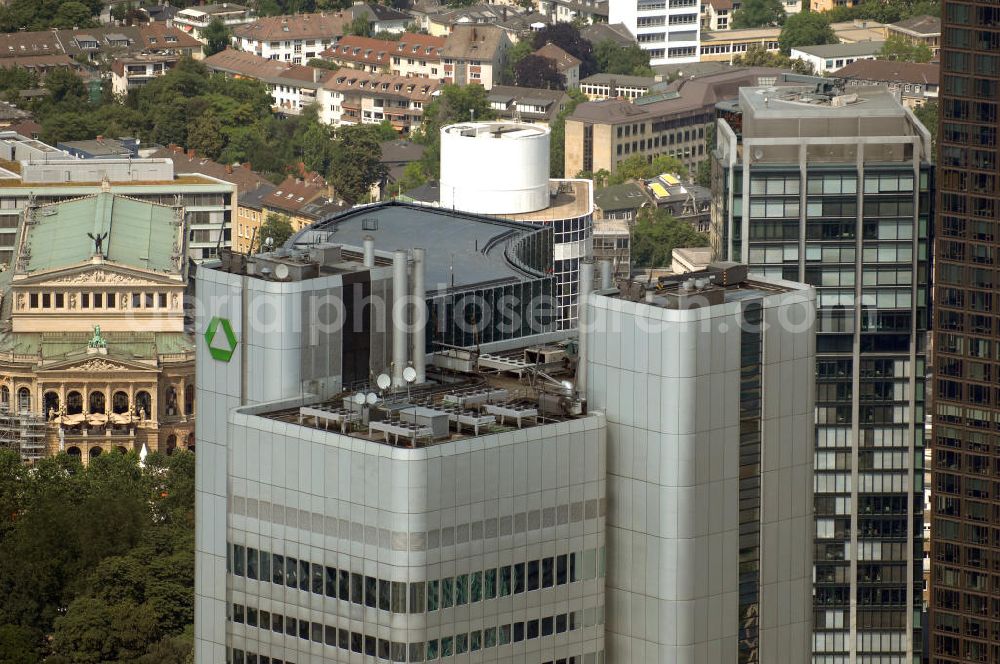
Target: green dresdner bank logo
{"points": [[218, 352]]}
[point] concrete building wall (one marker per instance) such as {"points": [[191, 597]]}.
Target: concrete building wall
{"points": [[412, 517], [669, 383]]}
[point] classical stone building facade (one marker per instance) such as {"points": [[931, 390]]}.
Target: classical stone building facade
{"points": [[93, 353]]}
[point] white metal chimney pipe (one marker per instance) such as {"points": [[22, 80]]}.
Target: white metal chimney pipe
{"points": [[419, 316], [583, 322], [606, 281], [369, 251], [400, 293]]}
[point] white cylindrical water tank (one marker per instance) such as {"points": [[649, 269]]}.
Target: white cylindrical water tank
{"points": [[495, 167]]}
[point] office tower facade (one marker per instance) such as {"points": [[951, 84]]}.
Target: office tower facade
{"points": [[706, 383], [833, 190], [461, 520], [668, 30], [964, 620]]}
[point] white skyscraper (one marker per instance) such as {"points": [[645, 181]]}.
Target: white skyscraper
{"points": [[668, 29]]}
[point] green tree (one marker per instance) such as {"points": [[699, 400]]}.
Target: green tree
{"points": [[205, 135], [216, 37], [756, 56], [276, 226], [71, 15], [356, 164], [897, 47], [567, 37], [534, 71], [360, 26], [657, 233], [759, 14], [636, 167], [557, 136], [612, 58], [19, 644], [805, 29], [515, 54], [413, 176], [65, 86]]}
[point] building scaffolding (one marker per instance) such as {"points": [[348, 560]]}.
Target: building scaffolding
{"points": [[24, 433]]}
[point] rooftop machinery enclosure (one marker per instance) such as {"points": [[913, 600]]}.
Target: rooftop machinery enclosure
{"points": [[494, 167]]}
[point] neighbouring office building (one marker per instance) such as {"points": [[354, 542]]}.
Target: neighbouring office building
{"points": [[460, 519], [833, 189], [666, 29], [706, 383], [965, 506], [32, 172], [521, 192]]}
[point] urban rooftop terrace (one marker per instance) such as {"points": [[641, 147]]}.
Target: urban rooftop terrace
{"points": [[493, 400]]}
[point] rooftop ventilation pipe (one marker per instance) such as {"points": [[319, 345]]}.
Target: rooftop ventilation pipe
{"points": [[606, 281], [583, 309], [369, 251], [419, 317], [399, 322]]}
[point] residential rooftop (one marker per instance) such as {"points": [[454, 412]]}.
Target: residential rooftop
{"points": [[891, 71], [561, 58], [626, 196], [619, 79], [856, 49], [685, 95], [922, 26], [318, 25]]}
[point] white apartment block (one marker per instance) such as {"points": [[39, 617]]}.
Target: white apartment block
{"points": [[294, 39], [668, 29]]}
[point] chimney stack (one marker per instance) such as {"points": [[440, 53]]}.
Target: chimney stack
{"points": [[419, 317], [583, 321], [369, 251], [400, 293]]}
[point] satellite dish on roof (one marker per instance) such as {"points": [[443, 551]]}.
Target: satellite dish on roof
{"points": [[371, 398], [383, 381], [359, 398], [409, 374], [280, 271]]}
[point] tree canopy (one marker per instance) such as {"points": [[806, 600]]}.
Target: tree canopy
{"points": [[757, 56], [45, 14], [898, 47], [612, 58], [534, 71], [216, 37], [657, 233], [276, 226], [557, 137], [637, 168], [101, 558], [567, 37], [356, 164], [759, 14], [805, 29]]}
